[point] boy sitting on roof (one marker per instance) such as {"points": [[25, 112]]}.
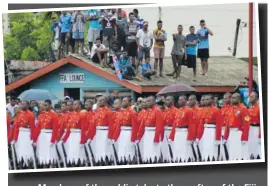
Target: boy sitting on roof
{"points": [[99, 53], [146, 69], [128, 72]]}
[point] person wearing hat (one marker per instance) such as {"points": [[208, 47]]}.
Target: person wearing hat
{"points": [[144, 42]]}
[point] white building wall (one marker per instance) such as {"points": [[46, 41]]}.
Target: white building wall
{"points": [[221, 19]]}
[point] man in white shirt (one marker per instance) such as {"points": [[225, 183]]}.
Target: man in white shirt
{"points": [[12, 106], [144, 42], [99, 53]]}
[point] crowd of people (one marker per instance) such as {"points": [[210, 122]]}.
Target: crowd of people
{"points": [[111, 130], [115, 37]]}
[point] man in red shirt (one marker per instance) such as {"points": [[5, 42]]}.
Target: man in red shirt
{"points": [[125, 133], [226, 110], [63, 118], [23, 131], [183, 132], [209, 131], [225, 113], [254, 113], [169, 118], [46, 134], [151, 131], [196, 112], [237, 130], [90, 118], [103, 129], [75, 138]]}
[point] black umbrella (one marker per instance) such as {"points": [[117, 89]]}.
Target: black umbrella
{"points": [[176, 89], [37, 94]]}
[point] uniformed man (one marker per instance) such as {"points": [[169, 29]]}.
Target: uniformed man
{"points": [[90, 117], [75, 137], [226, 110], [46, 134], [9, 119], [125, 133], [196, 112], [63, 118], [209, 131], [237, 130], [152, 132], [169, 118], [254, 113], [23, 134], [225, 113], [183, 132], [103, 129]]}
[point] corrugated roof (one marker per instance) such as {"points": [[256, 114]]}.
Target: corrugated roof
{"points": [[223, 71]]}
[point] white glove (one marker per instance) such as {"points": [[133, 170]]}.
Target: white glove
{"points": [[169, 141], [52, 144], [189, 142], [113, 141], [217, 142], [32, 142], [137, 142], [88, 141], [60, 142], [110, 141], [244, 142], [259, 141], [12, 142], [196, 142], [224, 142]]}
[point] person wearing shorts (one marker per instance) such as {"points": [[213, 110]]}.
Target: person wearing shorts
{"points": [[55, 37], [121, 29], [191, 42], [146, 69], [65, 25], [144, 42], [78, 31], [99, 53], [203, 45], [131, 45], [94, 27], [177, 53], [159, 47], [109, 29]]}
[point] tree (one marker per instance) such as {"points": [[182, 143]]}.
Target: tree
{"points": [[49, 15], [28, 38], [30, 54]]}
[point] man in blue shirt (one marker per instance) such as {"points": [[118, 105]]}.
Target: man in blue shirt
{"points": [[203, 45], [146, 69], [94, 26], [191, 42], [65, 24]]}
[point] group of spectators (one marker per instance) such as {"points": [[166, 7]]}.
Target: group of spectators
{"points": [[123, 42]]}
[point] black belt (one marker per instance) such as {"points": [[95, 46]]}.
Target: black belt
{"points": [[182, 127], [255, 125]]}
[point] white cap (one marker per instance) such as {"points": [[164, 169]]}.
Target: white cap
{"points": [[66, 97]]}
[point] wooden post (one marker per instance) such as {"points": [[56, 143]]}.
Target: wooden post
{"points": [[238, 21], [250, 52]]}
